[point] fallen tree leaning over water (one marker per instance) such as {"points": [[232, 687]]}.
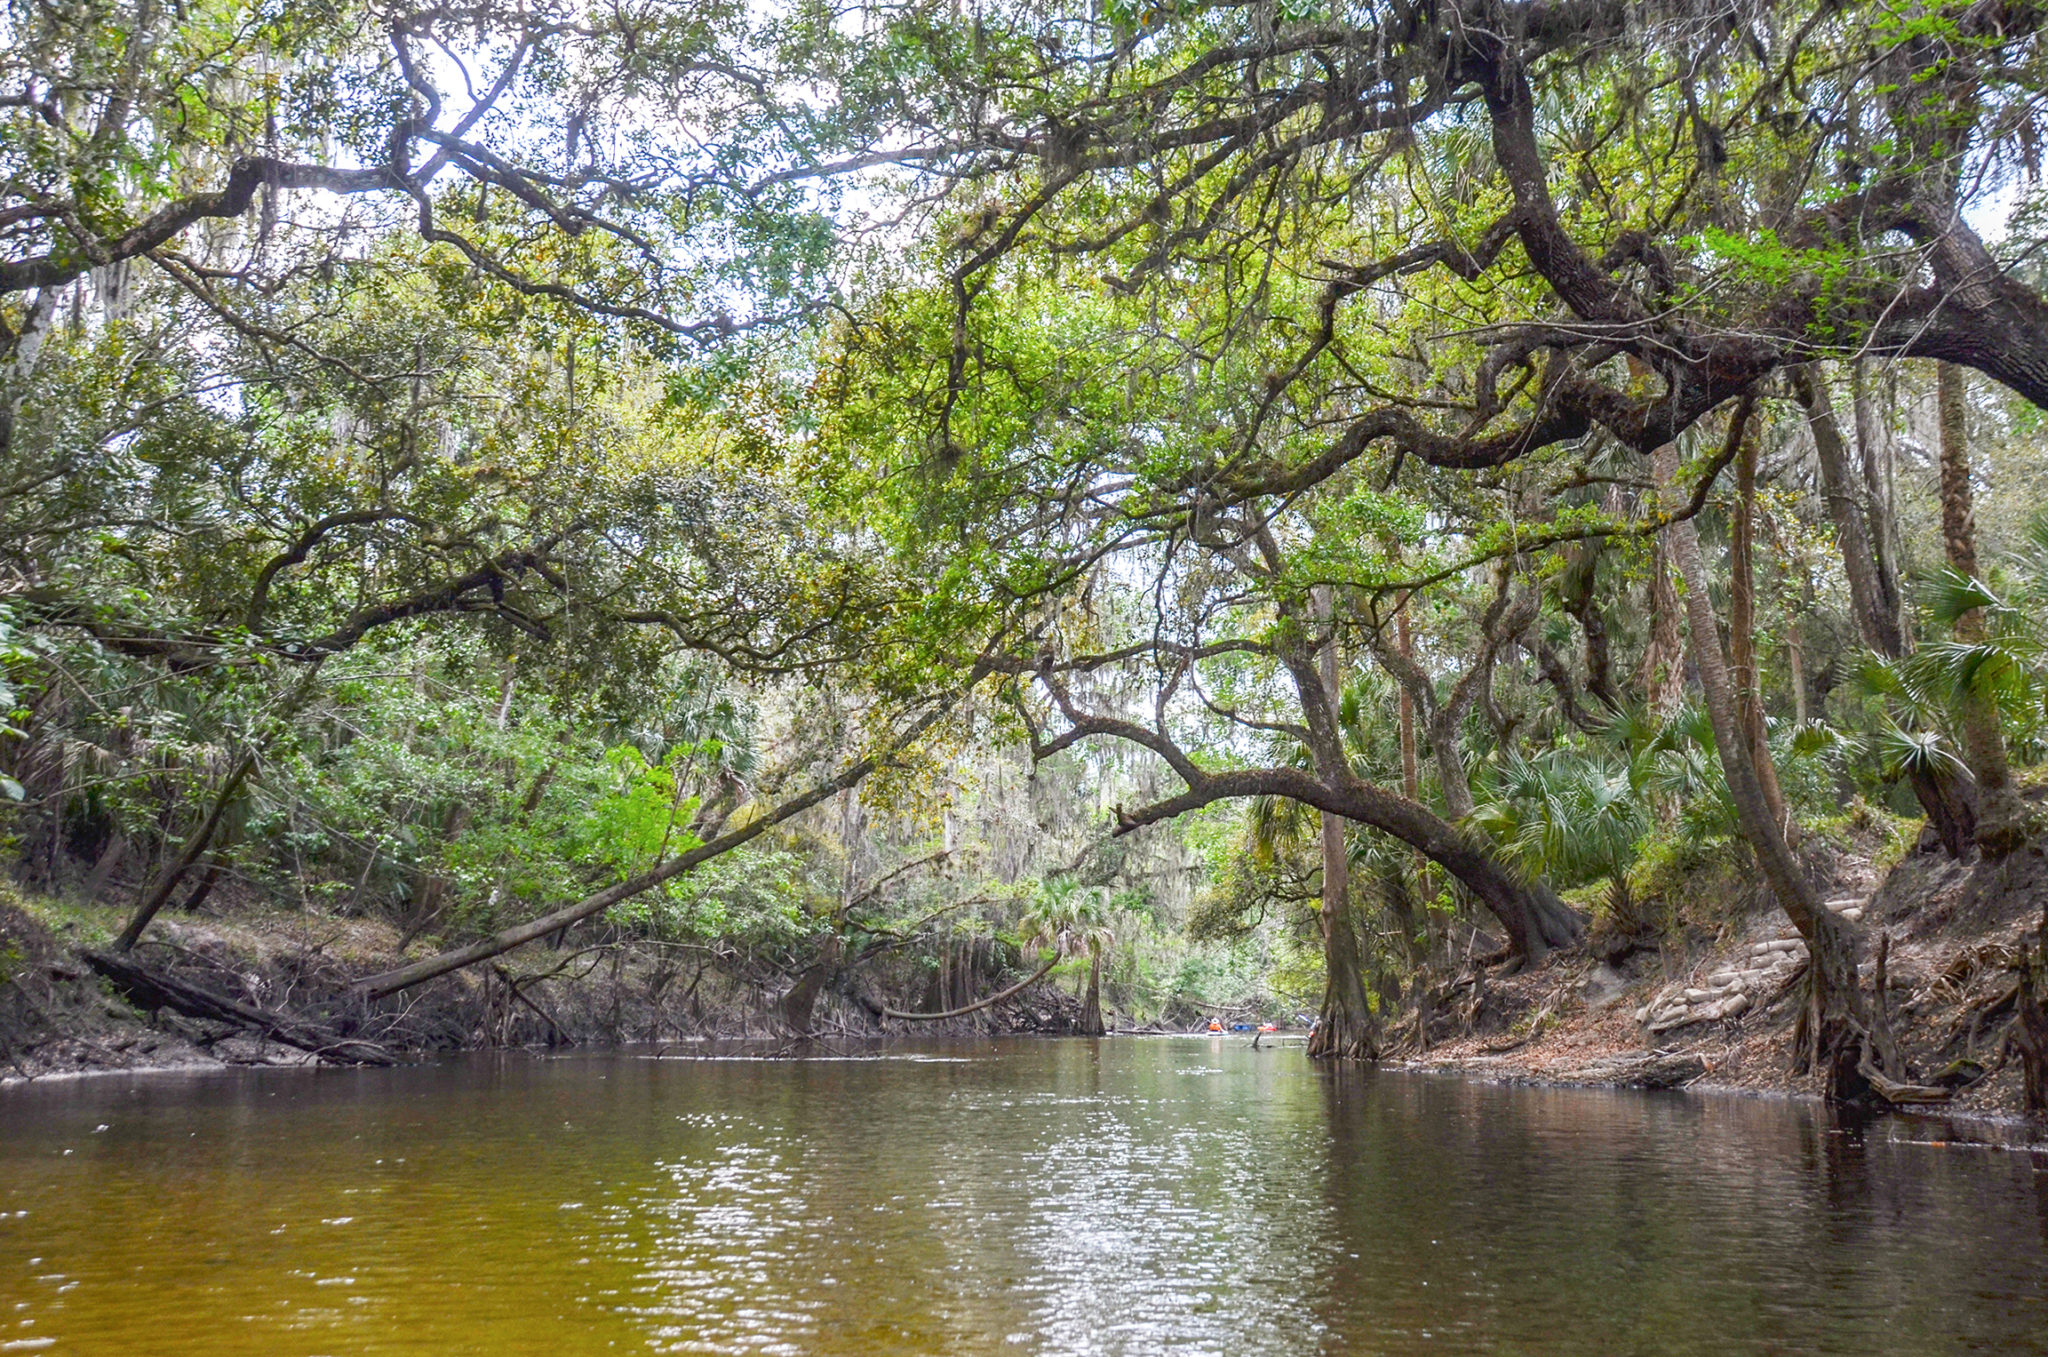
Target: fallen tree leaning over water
{"points": [[153, 990], [405, 977]]}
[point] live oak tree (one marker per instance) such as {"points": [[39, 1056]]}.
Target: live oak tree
{"points": [[1324, 245], [545, 146], [1131, 377], [1060, 496], [324, 326], [211, 504]]}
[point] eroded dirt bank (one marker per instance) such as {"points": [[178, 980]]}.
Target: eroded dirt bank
{"points": [[276, 990], [1721, 1011]]}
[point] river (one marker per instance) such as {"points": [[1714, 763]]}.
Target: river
{"points": [[1127, 1196]]}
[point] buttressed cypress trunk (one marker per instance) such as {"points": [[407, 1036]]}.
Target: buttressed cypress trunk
{"points": [[2001, 819], [1835, 1033], [1346, 1026], [1345, 1029], [800, 1001], [1091, 1007]]}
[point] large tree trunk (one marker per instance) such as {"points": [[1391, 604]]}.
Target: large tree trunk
{"points": [[800, 1001], [1535, 920], [1091, 1007], [1873, 444], [154, 990], [1749, 706], [1838, 1030], [1578, 594], [1951, 809], [1844, 492], [1345, 1028], [1450, 767], [2000, 816], [1663, 671]]}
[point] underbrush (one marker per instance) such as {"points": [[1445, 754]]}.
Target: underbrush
{"points": [[1682, 882]]}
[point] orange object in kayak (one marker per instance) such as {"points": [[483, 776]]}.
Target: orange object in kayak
{"points": [[1269, 1027], [1215, 1026]]}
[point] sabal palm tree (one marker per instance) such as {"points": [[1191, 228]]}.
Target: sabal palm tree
{"points": [[2001, 667], [1073, 920], [1569, 814], [1678, 769], [2007, 666]]}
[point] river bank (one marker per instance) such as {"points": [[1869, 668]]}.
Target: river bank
{"points": [[1721, 1011], [271, 977], [1707, 1009]]}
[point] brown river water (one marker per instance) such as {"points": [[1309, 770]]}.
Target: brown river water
{"points": [[1118, 1197]]}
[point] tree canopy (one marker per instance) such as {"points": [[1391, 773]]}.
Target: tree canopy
{"points": [[605, 442]]}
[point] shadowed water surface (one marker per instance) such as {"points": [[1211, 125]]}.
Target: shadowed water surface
{"points": [[1131, 1196]]}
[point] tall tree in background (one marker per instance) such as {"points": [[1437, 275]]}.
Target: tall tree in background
{"points": [[1344, 1027], [2001, 818]]}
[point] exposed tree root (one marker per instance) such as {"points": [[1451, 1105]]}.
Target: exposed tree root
{"points": [[2029, 1037], [979, 1004]]}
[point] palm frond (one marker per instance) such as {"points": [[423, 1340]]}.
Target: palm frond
{"points": [[1946, 594], [1950, 672], [1915, 753], [1815, 739]]}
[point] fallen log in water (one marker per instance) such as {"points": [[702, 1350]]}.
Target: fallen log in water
{"points": [[1653, 1070], [155, 989]]}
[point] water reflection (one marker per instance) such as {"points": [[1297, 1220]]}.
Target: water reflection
{"points": [[1117, 1197]]}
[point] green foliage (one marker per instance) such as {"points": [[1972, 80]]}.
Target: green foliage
{"points": [[699, 437], [1696, 880], [1567, 815], [15, 652], [752, 898]]}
